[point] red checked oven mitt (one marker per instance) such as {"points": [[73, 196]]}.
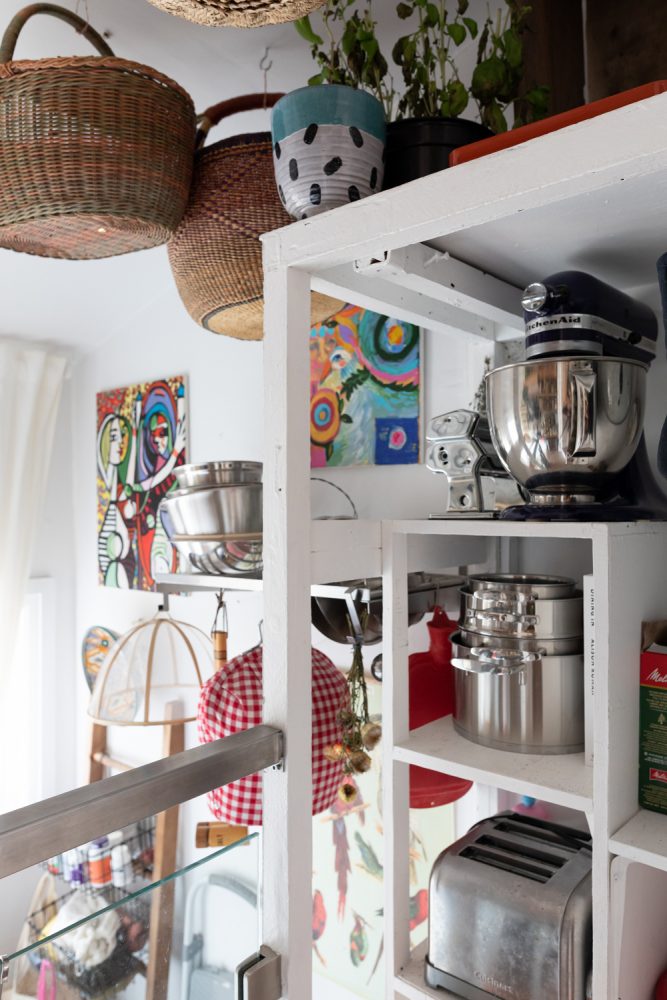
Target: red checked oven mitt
{"points": [[231, 701]]}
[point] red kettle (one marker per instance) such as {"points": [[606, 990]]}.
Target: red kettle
{"points": [[431, 682]]}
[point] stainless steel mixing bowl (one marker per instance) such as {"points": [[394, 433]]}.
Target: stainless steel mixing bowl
{"points": [[217, 474], [222, 555], [564, 427], [220, 510]]}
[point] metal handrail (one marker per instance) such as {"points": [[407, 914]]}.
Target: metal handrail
{"points": [[44, 829]]}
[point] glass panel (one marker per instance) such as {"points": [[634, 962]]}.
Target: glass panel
{"points": [[96, 930]]}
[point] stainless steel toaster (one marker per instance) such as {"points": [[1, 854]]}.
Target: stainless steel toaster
{"points": [[510, 912]]}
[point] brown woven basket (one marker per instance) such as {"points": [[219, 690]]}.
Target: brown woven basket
{"points": [[216, 253], [95, 152], [238, 13]]}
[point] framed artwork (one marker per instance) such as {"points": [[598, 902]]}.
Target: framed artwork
{"points": [[348, 870], [141, 438], [364, 390]]}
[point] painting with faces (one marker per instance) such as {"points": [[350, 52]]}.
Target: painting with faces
{"points": [[364, 390], [141, 439]]}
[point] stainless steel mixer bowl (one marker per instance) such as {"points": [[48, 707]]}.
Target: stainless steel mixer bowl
{"points": [[220, 510], [217, 474], [564, 427]]}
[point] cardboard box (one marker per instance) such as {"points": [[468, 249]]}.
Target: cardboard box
{"points": [[653, 717]]}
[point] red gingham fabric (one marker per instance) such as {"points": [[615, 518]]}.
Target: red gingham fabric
{"points": [[231, 701]]}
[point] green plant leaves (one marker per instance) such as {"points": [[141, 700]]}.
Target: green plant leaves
{"points": [[471, 26], [404, 10], [489, 78], [305, 29], [456, 32]]}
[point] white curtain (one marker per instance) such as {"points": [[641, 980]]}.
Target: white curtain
{"points": [[30, 386]]}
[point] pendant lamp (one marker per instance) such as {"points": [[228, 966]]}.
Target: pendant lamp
{"points": [[157, 661], [238, 13]]}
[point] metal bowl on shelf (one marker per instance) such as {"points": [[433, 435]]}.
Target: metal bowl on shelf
{"points": [[217, 474], [222, 554], [331, 617], [235, 509]]}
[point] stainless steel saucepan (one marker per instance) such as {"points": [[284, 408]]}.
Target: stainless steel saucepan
{"points": [[491, 613], [523, 585], [530, 644], [519, 700]]}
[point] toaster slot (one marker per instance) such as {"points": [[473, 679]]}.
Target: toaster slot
{"points": [[545, 833], [553, 861], [508, 862]]}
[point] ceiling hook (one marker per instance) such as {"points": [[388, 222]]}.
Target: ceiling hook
{"points": [[265, 67]]}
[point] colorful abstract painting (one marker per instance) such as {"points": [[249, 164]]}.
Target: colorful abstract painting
{"points": [[141, 438], [364, 389]]}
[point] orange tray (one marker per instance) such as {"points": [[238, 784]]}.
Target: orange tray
{"points": [[506, 139]]}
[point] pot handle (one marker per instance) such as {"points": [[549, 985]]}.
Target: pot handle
{"points": [[483, 660], [496, 618], [584, 380]]}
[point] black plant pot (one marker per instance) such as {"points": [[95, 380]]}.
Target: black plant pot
{"points": [[420, 146]]}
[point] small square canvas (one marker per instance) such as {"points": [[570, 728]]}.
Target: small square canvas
{"points": [[141, 439], [364, 390]]}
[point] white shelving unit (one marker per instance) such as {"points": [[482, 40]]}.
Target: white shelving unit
{"points": [[450, 251]]}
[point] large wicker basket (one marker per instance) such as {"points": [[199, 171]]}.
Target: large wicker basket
{"points": [[216, 253], [238, 13], [95, 152]]}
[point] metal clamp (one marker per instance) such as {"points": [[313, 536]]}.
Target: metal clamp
{"points": [[258, 978], [4, 971]]}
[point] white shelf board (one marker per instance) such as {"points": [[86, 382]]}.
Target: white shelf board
{"points": [[555, 202], [563, 779], [643, 839], [410, 984], [492, 527]]}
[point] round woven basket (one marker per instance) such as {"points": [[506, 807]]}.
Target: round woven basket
{"points": [[238, 13], [216, 253], [96, 151]]}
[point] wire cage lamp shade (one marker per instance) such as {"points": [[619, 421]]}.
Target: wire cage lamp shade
{"points": [[156, 662]]}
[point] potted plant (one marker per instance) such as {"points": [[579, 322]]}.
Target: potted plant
{"points": [[329, 137], [428, 122]]}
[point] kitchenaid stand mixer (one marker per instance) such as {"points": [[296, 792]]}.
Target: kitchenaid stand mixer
{"points": [[567, 423]]}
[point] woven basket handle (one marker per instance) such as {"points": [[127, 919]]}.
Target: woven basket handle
{"points": [[247, 102], [13, 30]]}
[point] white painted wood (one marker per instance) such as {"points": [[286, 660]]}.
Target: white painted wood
{"points": [[287, 839], [644, 839], [395, 727], [384, 296], [638, 944], [563, 779], [628, 570], [345, 550], [441, 276], [584, 166]]}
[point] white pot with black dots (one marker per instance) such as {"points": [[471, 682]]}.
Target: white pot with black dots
{"points": [[328, 148]]}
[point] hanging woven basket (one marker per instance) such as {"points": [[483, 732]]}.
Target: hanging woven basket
{"points": [[95, 152], [238, 13], [216, 253]]}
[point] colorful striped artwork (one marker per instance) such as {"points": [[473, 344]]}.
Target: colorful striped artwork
{"points": [[364, 389]]}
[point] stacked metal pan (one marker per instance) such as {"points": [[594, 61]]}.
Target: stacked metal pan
{"points": [[216, 516], [518, 664]]}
